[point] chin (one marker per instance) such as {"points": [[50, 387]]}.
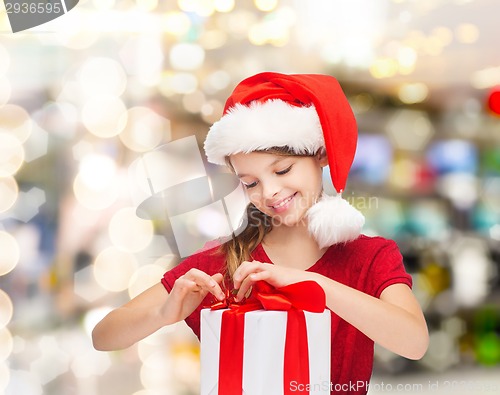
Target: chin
{"points": [[289, 221]]}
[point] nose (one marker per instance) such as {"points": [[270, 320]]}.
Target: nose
{"points": [[269, 189]]}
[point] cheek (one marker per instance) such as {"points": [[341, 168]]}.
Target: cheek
{"points": [[253, 196]]}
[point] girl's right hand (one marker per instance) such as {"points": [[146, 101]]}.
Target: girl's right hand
{"points": [[188, 292]]}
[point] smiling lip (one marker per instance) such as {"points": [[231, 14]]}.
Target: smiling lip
{"points": [[283, 204]]}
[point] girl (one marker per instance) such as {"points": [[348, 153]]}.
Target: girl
{"points": [[276, 134]]}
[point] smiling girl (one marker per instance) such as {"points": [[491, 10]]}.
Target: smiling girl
{"points": [[277, 134]]}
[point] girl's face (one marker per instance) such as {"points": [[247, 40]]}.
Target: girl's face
{"points": [[283, 187]]}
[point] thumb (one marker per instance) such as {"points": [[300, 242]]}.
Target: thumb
{"points": [[218, 277]]}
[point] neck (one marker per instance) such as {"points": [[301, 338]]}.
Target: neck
{"points": [[289, 234]]}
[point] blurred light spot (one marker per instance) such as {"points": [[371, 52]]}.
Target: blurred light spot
{"points": [[467, 33], [384, 68], [176, 23], [186, 56], [93, 316], [407, 57], [491, 194], [413, 93], [9, 257], [5, 90], [86, 286], [410, 130], [445, 304], [471, 271], [433, 46], [266, 5], [362, 102], [415, 39], [495, 232], [102, 77], [104, 116], [192, 231], [442, 353], [24, 382], [173, 83], [443, 34], [216, 81], [145, 277], [9, 192], [52, 362], [224, 5], [11, 154], [454, 326], [82, 149], [404, 173], [97, 171], [4, 376], [143, 57], [4, 60], [90, 363], [103, 5], [273, 31], [488, 349], [213, 39], [427, 219], [145, 129], [237, 23], [37, 144], [460, 188], [486, 78], [201, 7], [95, 199], [6, 308], [152, 374], [147, 5], [28, 204], [6, 344], [211, 223], [212, 111], [113, 269], [128, 232], [193, 102], [15, 121]]}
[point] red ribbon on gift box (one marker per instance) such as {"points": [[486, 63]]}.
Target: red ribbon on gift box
{"points": [[295, 299]]}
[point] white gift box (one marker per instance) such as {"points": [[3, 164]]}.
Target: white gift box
{"points": [[263, 355]]}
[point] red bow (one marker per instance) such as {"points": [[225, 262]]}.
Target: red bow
{"points": [[294, 298]]}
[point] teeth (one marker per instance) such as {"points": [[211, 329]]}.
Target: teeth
{"points": [[283, 202]]}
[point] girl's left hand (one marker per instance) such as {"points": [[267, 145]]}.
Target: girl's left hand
{"points": [[248, 273]]}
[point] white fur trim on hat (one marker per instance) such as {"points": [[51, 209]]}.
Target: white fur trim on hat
{"points": [[333, 220], [258, 126]]}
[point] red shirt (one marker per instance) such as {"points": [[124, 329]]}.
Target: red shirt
{"points": [[368, 264]]}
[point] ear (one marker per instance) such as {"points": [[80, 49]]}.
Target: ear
{"points": [[322, 158]]}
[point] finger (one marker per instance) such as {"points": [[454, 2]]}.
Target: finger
{"points": [[244, 270], [245, 287], [261, 276], [217, 290], [185, 285], [206, 282], [201, 278]]}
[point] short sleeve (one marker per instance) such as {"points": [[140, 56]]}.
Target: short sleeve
{"points": [[206, 260], [386, 269], [169, 277]]}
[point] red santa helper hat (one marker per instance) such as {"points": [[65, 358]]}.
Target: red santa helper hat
{"points": [[305, 112]]}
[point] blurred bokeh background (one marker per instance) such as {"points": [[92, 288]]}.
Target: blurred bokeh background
{"points": [[86, 96]]}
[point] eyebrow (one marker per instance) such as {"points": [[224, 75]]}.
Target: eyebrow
{"points": [[277, 160]]}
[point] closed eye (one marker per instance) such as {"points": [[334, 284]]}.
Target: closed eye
{"points": [[248, 186], [284, 171]]}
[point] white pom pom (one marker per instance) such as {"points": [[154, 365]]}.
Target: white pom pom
{"points": [[333, 220]]}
